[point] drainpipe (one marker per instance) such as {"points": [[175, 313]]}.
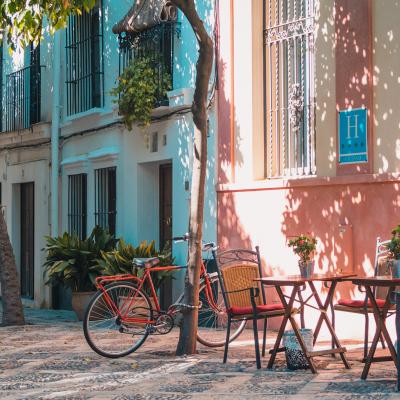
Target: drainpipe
{"points": [[55, 132]]}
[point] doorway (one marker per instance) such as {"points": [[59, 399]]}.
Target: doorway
{"points": [[27, 243], [165, 216]]}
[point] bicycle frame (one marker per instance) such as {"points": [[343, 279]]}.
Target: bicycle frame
{"points": [[102, 281]]}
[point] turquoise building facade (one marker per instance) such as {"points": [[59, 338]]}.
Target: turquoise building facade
{"points": [[68, 163]]}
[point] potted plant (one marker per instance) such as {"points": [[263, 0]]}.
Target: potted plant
{"points": [[72, 262], [394, 250], [304, 246], [139, 88]]}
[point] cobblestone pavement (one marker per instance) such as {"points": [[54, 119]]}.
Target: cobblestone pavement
{"points": [[49, 359]]}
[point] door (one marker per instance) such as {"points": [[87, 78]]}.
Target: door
{"points": [[165, 178], [27, 239]]}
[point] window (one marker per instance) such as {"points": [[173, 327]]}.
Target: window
{"points": [[77, 205], [106, 198], [23, 93], [156, 42], [84, 46], [289, 87], [34, 84], [1, 87]]}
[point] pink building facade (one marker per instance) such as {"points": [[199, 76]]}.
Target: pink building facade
{"points": [[292, 74]]}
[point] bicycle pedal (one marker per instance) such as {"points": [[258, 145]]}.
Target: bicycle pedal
{"points": [[151, 329]]}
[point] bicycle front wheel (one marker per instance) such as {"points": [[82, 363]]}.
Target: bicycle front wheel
{"points": [[109, 334], [213, 319]]}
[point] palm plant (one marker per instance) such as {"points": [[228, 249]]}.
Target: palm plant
{"points": [[72, 262], [119, 261]]}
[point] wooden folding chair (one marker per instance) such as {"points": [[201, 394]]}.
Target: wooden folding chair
{"points": [[381, 268]]}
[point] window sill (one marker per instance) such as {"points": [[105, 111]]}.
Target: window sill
{"points": [[309, 181], [86, 115]]}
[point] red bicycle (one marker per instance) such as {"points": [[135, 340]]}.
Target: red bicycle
{"points": [[125, 310]]}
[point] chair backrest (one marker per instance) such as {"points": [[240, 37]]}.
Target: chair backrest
{"points": [[381, 266], [237, 270]]}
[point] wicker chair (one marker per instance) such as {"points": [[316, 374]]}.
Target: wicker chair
{"points": [[244, 297], [363, 306]]}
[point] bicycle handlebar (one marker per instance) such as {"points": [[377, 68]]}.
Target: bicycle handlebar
{"points": [[183, 238], [206, 246]]}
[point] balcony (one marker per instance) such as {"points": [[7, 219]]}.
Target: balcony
{"points": [[159, 41], [22, 99]]}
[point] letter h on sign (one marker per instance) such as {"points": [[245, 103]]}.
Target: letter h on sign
{"points": [[353, 136]]}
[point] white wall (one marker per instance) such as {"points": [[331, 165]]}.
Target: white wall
{"points": [[17, 168]]}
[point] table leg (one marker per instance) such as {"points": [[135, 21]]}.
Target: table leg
{"points": [[302, 344], [324, 317], [324, 307], [382, 322], [288, 312], [302, 321], [398, 338], [380, 317]]}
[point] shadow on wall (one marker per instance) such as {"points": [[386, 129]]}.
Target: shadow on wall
{"points": [[346, 220], [231, 233]]}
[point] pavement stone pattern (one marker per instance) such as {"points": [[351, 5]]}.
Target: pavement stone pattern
{"points": [[49, 359]]}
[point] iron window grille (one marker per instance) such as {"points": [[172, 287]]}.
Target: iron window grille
{"points": [[23, 95], [289, 98], [1, 87], [156, 42], [77, 205], [106, 198], [84, 59]]}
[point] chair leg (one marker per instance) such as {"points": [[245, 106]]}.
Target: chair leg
{"points": [[264, 336], [228, 333], [366, 336], [256, 343]]}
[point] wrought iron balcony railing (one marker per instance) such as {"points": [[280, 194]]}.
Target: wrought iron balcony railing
{"points": [[22, 105], [157, 41]]}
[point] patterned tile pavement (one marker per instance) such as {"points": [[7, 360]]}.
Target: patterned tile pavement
{"points": [[49, 359]]}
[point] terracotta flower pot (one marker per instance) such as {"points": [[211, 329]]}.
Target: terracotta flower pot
{"points": [[80, 301]]}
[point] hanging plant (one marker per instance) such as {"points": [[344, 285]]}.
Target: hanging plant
{"points": [[139, 87]]}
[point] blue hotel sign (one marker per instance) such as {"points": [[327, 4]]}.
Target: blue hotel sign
{"points": [[353, 136]]}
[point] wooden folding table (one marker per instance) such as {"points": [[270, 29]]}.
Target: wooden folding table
{"points": [[296, 282]]}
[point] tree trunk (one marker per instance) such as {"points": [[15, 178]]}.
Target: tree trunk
{"points": [[10, 287], [187, 338]]}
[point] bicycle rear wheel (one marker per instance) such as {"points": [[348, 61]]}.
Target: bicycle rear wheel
{"points": [[213, 320], [105, 331]]}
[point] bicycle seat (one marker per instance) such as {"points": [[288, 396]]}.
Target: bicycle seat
{"points": [[146, 262]]}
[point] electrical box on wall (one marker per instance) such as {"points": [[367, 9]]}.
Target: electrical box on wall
{"points": [[343, 248], [154, 142]]}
